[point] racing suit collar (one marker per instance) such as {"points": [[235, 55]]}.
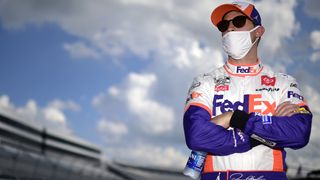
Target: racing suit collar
{"points": [[243, 70]]}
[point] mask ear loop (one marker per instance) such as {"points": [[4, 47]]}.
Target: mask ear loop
{"points": [[254, 28], [256, 38], [250, 39], [255, 41]]}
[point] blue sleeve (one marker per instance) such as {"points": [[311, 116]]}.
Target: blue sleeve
{"points": [[276, 131], [203, 135]]}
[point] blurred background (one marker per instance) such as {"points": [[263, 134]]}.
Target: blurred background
{"points": [[110, 77]]}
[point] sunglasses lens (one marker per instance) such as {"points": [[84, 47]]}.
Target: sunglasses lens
{"points": [[223, 25], [239, 21]]}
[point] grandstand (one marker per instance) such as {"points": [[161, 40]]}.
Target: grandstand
{"points": [[30, 152]]}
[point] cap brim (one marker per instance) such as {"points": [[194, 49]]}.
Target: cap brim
{"points": [[218, 13]]}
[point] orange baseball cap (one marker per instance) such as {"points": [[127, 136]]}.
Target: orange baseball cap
{"points": [[246, 8]]}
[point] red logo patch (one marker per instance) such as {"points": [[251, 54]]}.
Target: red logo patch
{"points": [[221, 88], [268, 81]]}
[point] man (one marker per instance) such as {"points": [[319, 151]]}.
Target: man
{"points": [[243, 114]]}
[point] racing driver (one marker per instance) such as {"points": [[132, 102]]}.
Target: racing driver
{"points": [[243, 114]]}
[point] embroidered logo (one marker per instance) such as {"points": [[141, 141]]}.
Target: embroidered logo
{"points": [[268, 81]]}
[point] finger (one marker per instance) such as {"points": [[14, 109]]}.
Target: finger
{"points": [[292, 113], [288, 113], [286, 109], [292, 110], [290, 107], [280, 107]]}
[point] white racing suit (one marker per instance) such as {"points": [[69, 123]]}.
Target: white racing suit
{"points": [[253, 146]]}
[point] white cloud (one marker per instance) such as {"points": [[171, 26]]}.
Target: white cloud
{"points": [[143, 2], [154, 117], [54, 115], [142, 125], [315, 56], [29, 111], [313, 98], [114, 27], [279, 20], [58, 104], [114, 91], [80, 50], [50, 116], [136, 96], [6, 107], [112, 130], [315, 44], [315, 39], [118, 27]]}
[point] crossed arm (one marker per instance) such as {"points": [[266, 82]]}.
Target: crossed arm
{"points": [[284, 109], [289, 128]]}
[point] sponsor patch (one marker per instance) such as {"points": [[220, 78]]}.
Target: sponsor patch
{"points": [[222, 81], [193, 95], [221, 88], [194, 85], [266, 119], [295, 95], [246, 70], [268, 89], [250, 103], [240, 134], [268, 81], [263, 141], [303, 110], [294, 85]]}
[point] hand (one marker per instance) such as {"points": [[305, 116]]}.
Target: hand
{"points": [[223, 119], [286, 109]]}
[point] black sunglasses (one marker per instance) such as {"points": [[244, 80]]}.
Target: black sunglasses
{"points": [[238, 22]]}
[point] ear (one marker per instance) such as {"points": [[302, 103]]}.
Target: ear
{"points": [[260, 31]]}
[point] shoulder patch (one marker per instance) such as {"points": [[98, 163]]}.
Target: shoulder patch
{"points": [[303, 110]]}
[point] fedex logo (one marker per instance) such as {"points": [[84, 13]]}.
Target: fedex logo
{"points": [[295, 95], [247, 70], [250, 103]]}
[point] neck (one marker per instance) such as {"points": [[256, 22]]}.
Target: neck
{"points": [[243, 69], [244, 61]]}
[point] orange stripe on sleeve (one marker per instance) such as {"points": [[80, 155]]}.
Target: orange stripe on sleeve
{"points": [[208, 165], [199, 105], [302, 104], [277, 160]]}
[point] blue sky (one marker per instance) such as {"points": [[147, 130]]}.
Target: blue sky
{"points": [[116, 72]]}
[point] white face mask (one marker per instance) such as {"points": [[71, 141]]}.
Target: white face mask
{"points": [[238, 43]]}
